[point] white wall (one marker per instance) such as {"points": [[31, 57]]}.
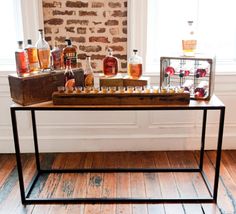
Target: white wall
{"points": [[122, 131]]}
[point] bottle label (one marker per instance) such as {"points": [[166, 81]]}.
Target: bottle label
{"points": [[73, 59], [89, 80]]}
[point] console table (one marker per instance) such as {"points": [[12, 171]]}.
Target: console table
{"points": [[214, 104]]}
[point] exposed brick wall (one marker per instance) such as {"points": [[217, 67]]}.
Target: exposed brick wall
{"points": [[92, 25]]}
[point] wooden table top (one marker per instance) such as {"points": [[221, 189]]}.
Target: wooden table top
{"points": [[213, 103]]}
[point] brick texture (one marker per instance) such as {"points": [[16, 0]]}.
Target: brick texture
{"points": [[92, 25]]}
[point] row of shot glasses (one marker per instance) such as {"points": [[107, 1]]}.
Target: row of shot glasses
{"points": [[120, 90]]}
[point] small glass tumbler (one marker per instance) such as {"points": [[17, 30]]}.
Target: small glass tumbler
{"points": [[103, 89], [121, 89], [61, 89], [112, 90], [69, 90], [78, 89], [130, 89], [138, 89]]}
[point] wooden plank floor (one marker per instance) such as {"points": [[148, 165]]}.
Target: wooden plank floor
{"points": [[143, 185]]}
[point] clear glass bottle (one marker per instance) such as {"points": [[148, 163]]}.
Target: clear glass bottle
{"points": [[70, 52], [88, 74], [43, 49], [135, 68], [189, 42], [22, 66], [56, 57], [110, 64], [69, 77], [32, 57]]}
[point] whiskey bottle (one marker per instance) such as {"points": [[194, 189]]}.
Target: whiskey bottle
{"points": [[69, 77], [32, 57], [22, 65], [135, 66], [43, 50], [88, 74], [56, 57], [189, 42], [70, 52], [110, 64]]}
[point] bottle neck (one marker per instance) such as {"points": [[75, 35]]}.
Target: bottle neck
{"points": [[68, 65]]}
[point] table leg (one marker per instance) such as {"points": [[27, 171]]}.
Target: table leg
{"points": [[218, 156], [18, 156], [37, 159], [203, 139]]}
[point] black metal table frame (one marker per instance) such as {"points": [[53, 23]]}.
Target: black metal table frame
{"points": [[25, 194]]}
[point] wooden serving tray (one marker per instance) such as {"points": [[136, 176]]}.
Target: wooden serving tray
{"points": [[120, 98]]}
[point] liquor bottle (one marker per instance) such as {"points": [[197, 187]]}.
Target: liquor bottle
{"points": [[32, 57], [70, 52], [88, 74], [110, 64], [189, 42], [56, 57], [22, 66], [69, 77], [201, 89], [135, 66], [43, 49]]}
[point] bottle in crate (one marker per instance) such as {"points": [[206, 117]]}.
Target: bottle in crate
{"points": [[22, 65], [135, 66], [43, 50]]}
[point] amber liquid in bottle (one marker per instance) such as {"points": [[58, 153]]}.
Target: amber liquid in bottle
{"points": [[44, 58], [21, 58], [32, 57], [135, 71], [70, 52], [110, 64]]}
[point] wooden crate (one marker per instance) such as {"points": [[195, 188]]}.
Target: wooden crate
{"points": [[39, 87], [121, 99], [122, 81]]}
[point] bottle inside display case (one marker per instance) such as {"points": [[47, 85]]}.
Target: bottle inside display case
{"points": [[135, 69], [43, 50]]}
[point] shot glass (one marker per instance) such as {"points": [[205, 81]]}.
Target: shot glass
{"points": [[130, 89], [138, 89], [78, 89], [103, 89], [112, 90], [61, 89], [69, 90], [121, 89], [155, 89], [147, 89], [87, 90]]}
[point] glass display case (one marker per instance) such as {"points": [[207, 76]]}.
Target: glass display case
{"points": [[194, 74]]}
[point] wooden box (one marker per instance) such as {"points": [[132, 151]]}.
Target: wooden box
{"points": [[194, 66], [145, 99], [39, 87], [122, 81]]}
